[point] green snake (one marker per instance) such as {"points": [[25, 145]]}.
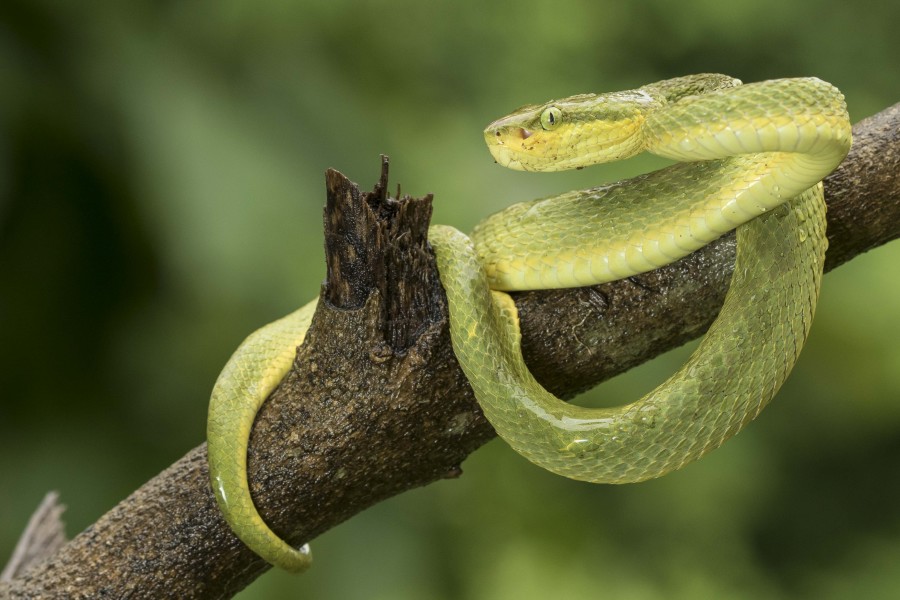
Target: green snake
{"points": [[750, 157]]}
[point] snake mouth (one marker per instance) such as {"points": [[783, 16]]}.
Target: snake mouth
{"points": [[517, 132]]}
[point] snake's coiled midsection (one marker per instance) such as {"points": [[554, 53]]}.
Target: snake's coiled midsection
{"points": [[759, 153]]}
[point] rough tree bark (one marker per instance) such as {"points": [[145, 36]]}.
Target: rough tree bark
{"points": [[376, 404]]}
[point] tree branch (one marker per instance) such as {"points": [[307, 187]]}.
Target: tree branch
{"points": [[43, 536], [376, 404]]}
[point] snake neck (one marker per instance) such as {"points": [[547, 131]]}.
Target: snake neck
{"points": [[799, 116], [788, 133]]}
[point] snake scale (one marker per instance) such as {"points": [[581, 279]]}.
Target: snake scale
{"points": [[749, 157]]}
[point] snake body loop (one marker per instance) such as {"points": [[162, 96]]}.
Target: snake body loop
{"points": [[750, 157], [249, 376]]}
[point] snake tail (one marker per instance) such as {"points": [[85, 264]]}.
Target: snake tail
{"points": [[249, 376]]}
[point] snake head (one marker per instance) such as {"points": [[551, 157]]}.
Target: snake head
{"points": [[570, 133]]}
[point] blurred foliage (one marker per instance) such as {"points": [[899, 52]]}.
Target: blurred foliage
{"points": [[161, 185]]}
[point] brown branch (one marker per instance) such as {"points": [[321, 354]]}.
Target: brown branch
{"points": [[376, 405], [43, 536]]}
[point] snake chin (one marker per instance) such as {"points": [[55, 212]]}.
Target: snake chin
{"points": [[505, 157]]}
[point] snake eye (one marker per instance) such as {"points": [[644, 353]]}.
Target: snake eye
{"points": [[551, 117]]}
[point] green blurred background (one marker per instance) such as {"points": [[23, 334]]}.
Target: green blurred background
{"points": [[161, 187]]}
